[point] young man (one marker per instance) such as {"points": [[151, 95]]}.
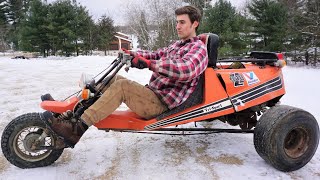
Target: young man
{"points": [[176, 71]]}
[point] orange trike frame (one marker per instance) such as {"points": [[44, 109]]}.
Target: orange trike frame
{"points": [[221, 97]]}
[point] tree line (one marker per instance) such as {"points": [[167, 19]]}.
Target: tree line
{"points": [[267, 25], [63, 27]]}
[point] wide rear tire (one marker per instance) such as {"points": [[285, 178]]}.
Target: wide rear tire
{"points": [[286, 137], [18, 137]]}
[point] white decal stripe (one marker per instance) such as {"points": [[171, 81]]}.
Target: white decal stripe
{"points": [[171, 122], [185, 115], [257, 87], [202, 111], [198, 109], [262, 87], [274, 87], [248, 92]]}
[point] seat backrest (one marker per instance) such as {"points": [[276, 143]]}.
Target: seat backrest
{"points": [[212, 43], [194, 99]]}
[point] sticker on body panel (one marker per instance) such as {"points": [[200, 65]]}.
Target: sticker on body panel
{"points": [[237, 79], [251, 78]]}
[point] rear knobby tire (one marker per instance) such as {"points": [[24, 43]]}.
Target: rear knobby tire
{"points": [[286, 137], [15, 146]]}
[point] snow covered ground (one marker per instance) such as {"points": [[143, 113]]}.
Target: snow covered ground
{"points": [[113, 155]]}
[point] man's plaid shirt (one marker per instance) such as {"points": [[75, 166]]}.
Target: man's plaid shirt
{"points": [[176, 69]]}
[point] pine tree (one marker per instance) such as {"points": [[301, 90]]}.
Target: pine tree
{"points": [[33, 34], [106, 32], [89, 40], [81, 27], [61, 18], [15, 13], [294, 39], [3, 18], [271, 23], [223, 20], [3, 28]]}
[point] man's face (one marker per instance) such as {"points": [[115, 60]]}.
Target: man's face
{"points": [[185, 28]]}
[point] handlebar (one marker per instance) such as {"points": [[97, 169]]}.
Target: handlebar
{"points": [[123, 59]]}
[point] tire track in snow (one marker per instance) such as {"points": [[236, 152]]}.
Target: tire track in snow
{"points": [[4, 165], [204, 159], [180, 153], [113, 171]]}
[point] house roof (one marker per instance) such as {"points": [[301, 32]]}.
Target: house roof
{"points": [[119, 37], [120, 33]]}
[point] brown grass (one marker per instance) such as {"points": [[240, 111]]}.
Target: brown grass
{"points": [[180, 151], [205, 159], [229, 159]]}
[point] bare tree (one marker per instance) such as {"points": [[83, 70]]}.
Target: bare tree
{"points": [[153, 22], [139, 23]]}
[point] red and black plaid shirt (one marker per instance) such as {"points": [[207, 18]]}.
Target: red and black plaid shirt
{"points": [[176, 69]]}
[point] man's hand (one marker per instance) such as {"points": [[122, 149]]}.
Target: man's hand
{"points": [[140, 62]]}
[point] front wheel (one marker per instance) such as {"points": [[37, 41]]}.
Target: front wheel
{"points": [[286, 137], [18, 143]]}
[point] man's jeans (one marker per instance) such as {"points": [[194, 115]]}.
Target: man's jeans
{"points": [[140, 99]]}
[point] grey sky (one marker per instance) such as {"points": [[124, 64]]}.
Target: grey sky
{"points": [[113, 8], [97, 8]]}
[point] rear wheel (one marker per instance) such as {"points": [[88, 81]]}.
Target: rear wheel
{"points": [[286, 137], [18, 143]]}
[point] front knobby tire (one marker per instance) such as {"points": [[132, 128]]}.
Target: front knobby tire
{"points": [[18, 137], [286, 137]]}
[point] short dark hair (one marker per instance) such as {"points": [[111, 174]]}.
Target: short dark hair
{"points": [[193, 13]]}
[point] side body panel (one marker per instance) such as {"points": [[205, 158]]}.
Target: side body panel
{"points": [[253, 85]]}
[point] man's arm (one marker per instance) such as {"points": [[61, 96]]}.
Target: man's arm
{"points": [[190, 66], [151, 54]]}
